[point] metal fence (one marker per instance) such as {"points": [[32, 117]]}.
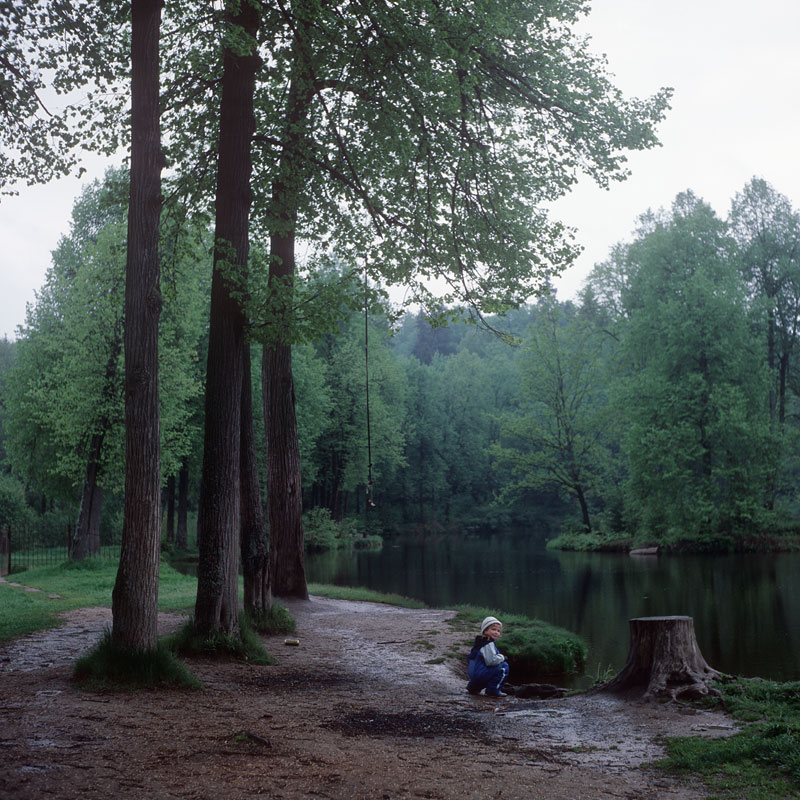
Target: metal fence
{"points": [[23, 548]]}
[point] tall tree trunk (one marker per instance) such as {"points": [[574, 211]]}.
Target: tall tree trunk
{"points": [[255, 551], [284, 492], [284, 495], [135, 595], [87, 529], [218, 519], [183, 507]]}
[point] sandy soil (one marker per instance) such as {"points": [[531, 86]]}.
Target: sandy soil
{"points": [[355, 711]]}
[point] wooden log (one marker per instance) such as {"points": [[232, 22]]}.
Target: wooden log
{"points": [[664, 660]]}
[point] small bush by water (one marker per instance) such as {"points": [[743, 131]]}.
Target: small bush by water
{"points": [[762, 761], [322, 532], [534, 649], [594, 542]]}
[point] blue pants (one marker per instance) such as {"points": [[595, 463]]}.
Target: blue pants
{"points": [[483, 677]]}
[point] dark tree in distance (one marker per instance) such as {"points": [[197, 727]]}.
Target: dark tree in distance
{"points": [[255, 549], [86, 541], [767, 233], [135, 595]]}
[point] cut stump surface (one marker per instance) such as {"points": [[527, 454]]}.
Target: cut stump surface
{"points": [[664, 660]]}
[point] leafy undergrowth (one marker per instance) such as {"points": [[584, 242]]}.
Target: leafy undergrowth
{"points": [[533, 648], [762, 762], [108, 668]]}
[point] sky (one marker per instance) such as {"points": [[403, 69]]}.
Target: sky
{"points": [[734, 66]]}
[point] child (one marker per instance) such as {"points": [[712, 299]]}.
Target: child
{"points": [[488, 669]]}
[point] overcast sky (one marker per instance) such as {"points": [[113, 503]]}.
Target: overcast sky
{"points": [[734, 66]]}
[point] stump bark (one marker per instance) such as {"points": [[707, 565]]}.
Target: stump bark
{"points": [[664, 660]]}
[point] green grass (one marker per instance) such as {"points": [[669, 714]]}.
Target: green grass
{"points": [[594, 542], [107, 668], [364, 595], [762, 762], [25, 612], [273, 621], [83, 584], [189, 641], [533, 648]]}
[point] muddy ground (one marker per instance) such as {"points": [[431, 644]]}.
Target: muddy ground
{"points": [[356, 710]]}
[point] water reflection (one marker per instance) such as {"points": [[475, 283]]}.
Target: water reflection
{"points": [[746, 609]]}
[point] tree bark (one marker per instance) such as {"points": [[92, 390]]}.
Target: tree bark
{"points": [[663, 661], [284, 495], [135, 595], [218, 522], [255, 548], [284, 491]]}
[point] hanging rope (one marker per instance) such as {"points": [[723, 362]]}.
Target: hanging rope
{"points": [[370, 498]]}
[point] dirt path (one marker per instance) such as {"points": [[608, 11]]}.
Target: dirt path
{"points": [[355, 711]]}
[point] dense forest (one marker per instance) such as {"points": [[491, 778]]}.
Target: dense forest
{"points": [[659, 407]]}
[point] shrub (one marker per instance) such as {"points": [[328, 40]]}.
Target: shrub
{"points": [[320, 530], [533, 648]]}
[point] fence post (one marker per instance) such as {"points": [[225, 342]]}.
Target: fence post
{"points": [[5, 551]]}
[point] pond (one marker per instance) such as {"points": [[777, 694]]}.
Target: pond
{"points": [[746, 608]]}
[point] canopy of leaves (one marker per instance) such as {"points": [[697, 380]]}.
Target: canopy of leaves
{"points": [[422, 138], [61, 70]]}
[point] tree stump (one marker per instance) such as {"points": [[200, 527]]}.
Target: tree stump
{"points": [[663, 661]]}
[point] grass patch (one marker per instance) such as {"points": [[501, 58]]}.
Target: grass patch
{"points": [[762, 761], [246, 646], [274, 620], [84, 584], [364, 595], [533, 648], [25, 612], [107, 668], [595, 542]]}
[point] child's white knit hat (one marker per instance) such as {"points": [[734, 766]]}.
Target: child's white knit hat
{"points": [[490, 621]]}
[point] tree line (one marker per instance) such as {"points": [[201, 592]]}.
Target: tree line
{"points": [[659, 406]]}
